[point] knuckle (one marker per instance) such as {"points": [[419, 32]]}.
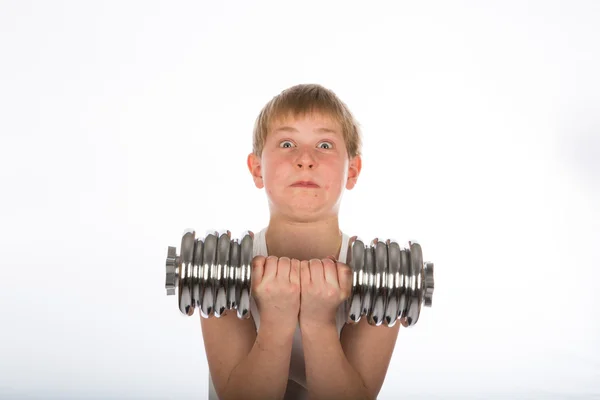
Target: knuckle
{"points": [[283, 262], [328, 262], [258, 260]]}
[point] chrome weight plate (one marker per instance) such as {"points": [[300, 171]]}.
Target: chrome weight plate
{"points": [[196, 287], [222, 270], [355, 259], [416, 296], [187, 253], [368, 278], [246, 252], [394, 283], [379, 287], [198, 282], [209, 260], [233, 278], [404, 284], [190, 280]]}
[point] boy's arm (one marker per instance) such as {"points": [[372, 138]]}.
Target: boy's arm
{"points": [[352, 366], [245, 364]]}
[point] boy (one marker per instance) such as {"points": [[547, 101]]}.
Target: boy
{"points": [[296, 343]]}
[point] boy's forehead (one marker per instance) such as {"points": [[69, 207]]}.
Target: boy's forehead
{"points": [[320, 122]]}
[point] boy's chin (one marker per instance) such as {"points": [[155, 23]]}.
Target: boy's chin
{"points": [[309, 214], [302, 207]]}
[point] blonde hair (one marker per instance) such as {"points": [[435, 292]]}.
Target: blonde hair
{"points": [[301, 100]]}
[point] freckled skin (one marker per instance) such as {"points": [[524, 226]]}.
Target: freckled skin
{"points": [[305, 153]]}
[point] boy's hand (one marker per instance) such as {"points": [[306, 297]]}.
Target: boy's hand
{"points": [[276, 289], [325, 284]]}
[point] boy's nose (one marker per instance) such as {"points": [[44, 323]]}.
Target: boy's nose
{"points": [[305, 159], [309, 165]]}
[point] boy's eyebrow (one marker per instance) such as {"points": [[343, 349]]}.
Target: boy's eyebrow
{"points": [[294, 130]]}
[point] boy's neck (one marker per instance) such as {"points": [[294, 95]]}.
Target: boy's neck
{"points": [[304, 241]]}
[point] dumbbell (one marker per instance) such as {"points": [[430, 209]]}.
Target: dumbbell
{"points": [[214, 275]]}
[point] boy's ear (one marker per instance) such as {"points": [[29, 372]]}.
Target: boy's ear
{"points": [[255, 170], [354, 167]]}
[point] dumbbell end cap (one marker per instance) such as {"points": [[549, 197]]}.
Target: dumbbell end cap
{"points": [[172, 260], [428, 284], [172, 270]]}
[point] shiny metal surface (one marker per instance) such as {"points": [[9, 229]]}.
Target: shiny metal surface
{"points": [[245, 280], [428, 283], [187, 255], [222, 270], [209, 260], [198, 283], [234, 266], [393, 283], [379, 288], [367, 283], [416, 295], [404, 289], [213, 274], [171, 281], [355, 259]]}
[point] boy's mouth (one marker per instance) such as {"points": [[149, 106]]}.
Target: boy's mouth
{"points": [[307, 184]]}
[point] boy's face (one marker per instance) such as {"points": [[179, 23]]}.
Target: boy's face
{"points": [[309, 148]]}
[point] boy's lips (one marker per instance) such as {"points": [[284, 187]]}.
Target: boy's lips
{"points": [[307, 184]]}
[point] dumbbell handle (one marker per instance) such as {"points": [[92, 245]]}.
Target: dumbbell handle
{"points": [[214, 275]]}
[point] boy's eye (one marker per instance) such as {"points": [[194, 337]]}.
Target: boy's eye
{"points": [[288, 144]]}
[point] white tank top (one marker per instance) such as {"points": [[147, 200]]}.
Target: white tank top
{"points": [[296, 388]]}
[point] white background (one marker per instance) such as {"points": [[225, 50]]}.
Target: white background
{"points": [[123, 123]]}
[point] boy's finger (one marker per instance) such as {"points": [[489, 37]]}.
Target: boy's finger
{"points": [[283, 268], [316, 271], [257, 271], [295, 271], [304, 274], [330, 270], [345, 277], [270, 267]]}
